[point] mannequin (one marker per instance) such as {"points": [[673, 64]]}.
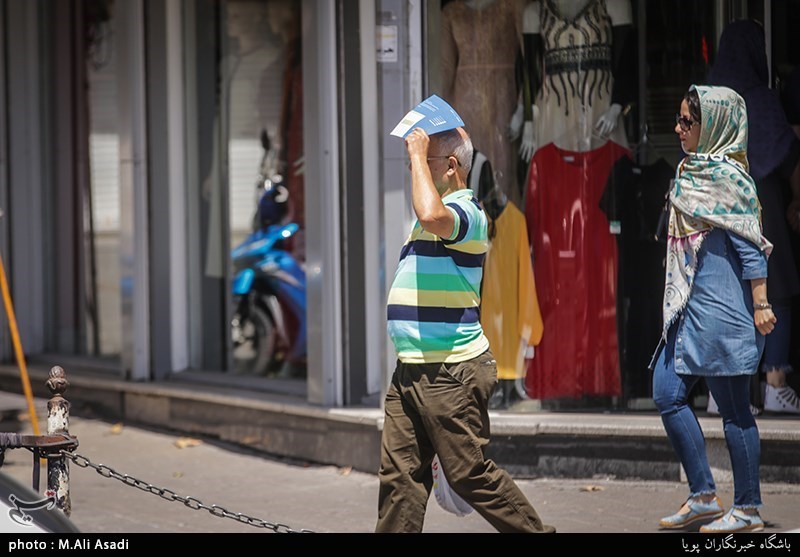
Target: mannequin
{"points": [[480, 41], [574, 87]]}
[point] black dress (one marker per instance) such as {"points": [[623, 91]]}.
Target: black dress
{"points": [[632, 202]]}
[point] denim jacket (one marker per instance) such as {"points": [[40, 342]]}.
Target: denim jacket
{"points": [[715, 334]]}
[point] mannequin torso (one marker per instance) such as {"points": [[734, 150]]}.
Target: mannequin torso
{"points": [[547, 25]]}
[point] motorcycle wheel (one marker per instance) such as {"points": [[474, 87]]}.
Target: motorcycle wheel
{"points": [[254, 341]]}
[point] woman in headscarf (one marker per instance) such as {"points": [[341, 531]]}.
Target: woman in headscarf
{"points": [[716, 311], [774, 155]]}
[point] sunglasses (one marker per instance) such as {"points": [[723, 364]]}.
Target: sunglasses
{"points": [[684, 122]]}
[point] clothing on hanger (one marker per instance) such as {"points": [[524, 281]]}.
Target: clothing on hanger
{"points": [[575, 268], [479, 46], [633, 197], [510, 314]]}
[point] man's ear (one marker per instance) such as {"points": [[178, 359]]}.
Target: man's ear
{"points": [[452, 166]]}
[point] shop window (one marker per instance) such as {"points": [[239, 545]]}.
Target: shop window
{"points": [[249, 209], [546, 90], [537, 83], [101, 199]]}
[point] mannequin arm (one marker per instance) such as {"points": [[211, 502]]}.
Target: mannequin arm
{"points": [[531, 83], [520, 128], [622, 92], [607, 122], [531, 71], [515, 125], [528, 143]]}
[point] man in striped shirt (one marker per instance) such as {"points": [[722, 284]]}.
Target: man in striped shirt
{"points": [[437, 402]]}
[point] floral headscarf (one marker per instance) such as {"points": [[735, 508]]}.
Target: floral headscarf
{"points": [[712, 190]]}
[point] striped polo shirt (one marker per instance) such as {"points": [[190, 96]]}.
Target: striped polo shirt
{"points": [[434, 302]]}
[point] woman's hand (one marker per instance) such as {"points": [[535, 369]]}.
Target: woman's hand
{"points": [[765, 320]]}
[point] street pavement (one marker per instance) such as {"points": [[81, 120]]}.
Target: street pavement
{"points": [[321, 498]]}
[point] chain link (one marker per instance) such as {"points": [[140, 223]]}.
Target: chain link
{"points": [[169, 495]]}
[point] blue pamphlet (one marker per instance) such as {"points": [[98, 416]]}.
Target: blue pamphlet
{"points": [[433, 115]]}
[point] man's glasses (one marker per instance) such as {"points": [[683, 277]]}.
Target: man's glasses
{"points": [[445, 157], [684, 122]]}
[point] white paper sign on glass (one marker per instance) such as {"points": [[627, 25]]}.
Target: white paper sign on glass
{"points": [[433, 115]]}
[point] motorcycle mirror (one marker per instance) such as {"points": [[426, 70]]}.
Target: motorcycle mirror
{"points": [[265, 139]]}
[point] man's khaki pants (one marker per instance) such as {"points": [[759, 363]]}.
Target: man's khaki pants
{"points": [[443, 409]]}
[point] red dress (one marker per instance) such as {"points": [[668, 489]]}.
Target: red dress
{"points": [[575, 265]]}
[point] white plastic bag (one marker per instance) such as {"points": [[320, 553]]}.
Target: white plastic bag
{"points": [[448, 499]]}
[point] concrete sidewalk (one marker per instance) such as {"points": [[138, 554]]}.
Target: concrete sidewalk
{"points": [[320, 498], [530, 444]]}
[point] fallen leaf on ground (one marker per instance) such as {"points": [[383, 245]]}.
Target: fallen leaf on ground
{"points": [[184, 442], [345, 471], [116, 429], [592, 488], [177, 474]]}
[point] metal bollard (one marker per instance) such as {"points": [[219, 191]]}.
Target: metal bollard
{"points": [[58, 422]]}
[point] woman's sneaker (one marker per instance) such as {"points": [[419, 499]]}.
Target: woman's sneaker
{"points": [[734, 520], [697, 510], [781, 399]]}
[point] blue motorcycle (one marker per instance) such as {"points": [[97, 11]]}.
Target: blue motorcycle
{"points": [[269, 288]]}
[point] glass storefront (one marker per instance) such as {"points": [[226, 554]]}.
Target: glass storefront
{"points": [[571, 104], [83, 186], [237, 166], [247, 215], [101, 208]]}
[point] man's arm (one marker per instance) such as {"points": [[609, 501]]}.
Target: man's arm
{"points": [[433, 216]]}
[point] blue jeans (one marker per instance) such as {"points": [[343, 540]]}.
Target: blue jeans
{"points": [[732, 394]]}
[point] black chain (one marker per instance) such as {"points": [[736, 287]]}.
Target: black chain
{"points": [[169, 495]]}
